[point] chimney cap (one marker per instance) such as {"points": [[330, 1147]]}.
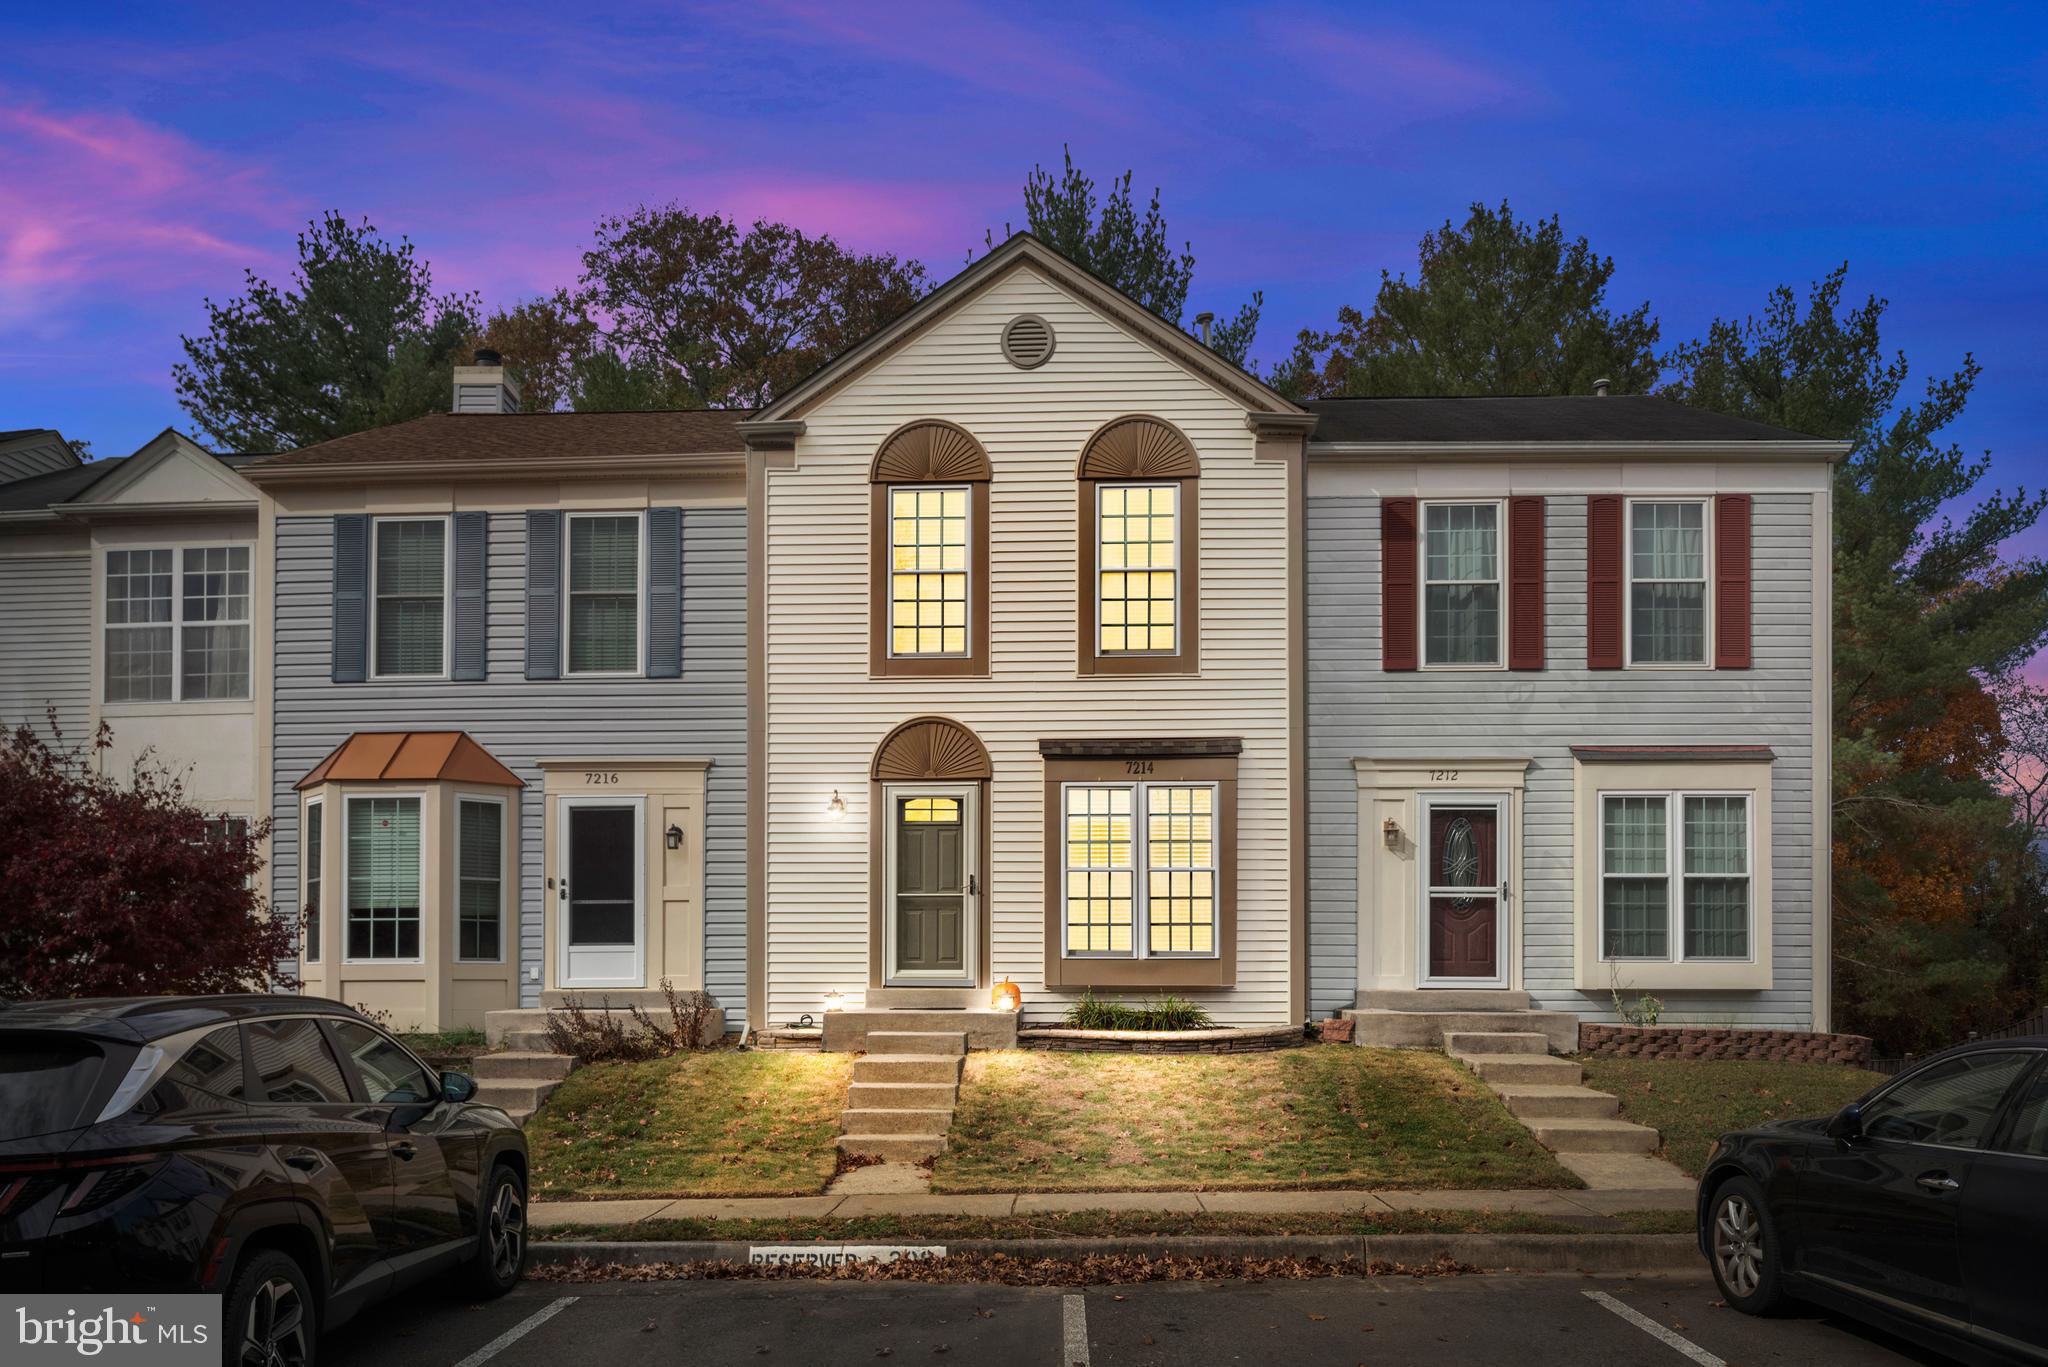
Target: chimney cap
{"points": [[1600, 387], [486, 356]]}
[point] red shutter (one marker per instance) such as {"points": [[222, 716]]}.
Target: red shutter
{"points": [[1603, 581], [1525, 583], [1731, 581], [1397, 583]]}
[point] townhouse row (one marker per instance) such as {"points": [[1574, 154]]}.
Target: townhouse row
{"points": [[1028, 641]]}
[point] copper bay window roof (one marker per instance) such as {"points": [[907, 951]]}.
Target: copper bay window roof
{"points": [[415, 756]]}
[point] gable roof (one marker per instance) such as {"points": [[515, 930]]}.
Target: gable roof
{"points": [[35, 494], [1022, 249], [166, 447], [449, 442], [410, 756], [1623, 419]]}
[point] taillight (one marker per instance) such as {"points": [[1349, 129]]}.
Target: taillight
{"points": [[87, 1184]]}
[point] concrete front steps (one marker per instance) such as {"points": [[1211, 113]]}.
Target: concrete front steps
{"points": [[1420, 1018], [900, 1101], [1546, 1094], [518, 1080]]}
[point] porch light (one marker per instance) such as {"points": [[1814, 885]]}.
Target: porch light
{"points": [[835, 1001], [1390, 831], [674, 835], [835, 810]]}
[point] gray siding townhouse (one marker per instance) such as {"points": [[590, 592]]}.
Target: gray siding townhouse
{"points": [[509, 707]]}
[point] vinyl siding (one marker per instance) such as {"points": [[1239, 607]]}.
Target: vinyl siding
{"points": [[826, 716], [46, 642], [1357, 710], [522, 721]]}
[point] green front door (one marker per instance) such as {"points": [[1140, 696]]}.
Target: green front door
{"points": [[932, 885]]}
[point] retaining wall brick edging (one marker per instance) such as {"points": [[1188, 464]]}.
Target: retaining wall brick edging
{"points": [[1708, 1043]]}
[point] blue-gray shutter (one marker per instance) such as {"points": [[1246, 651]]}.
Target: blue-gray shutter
{"points": [[664, 593], [472, 532], [544, 594], [351, 646]]}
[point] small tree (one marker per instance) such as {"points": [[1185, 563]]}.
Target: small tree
{"points": [[124, 889]]}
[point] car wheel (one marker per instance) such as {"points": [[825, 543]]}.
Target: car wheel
{"points": [[270, 1320], [1743, 1247], [500, 1258]]}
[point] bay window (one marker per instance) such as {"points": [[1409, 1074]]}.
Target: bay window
{"points": [[1675, 852], [316, 840], [382, 874], [1140, 869], [480, 865]]}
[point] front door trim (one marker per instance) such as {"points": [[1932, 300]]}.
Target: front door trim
{"points": [[558, 896], [969, 795], [1425, 803]]}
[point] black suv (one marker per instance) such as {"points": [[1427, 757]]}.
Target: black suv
{"points": [[281, 1151]]}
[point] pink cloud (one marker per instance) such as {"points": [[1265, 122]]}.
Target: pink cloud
{"points": [[1392, 72]]}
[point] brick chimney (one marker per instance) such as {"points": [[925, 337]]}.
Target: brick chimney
{"points": [[487, 386]]}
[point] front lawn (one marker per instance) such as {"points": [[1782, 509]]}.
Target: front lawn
{"points": [[1693, 1103], [711, 1124], [1323, 1116]]}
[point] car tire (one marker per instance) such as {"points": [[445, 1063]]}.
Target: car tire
{"points": [[270, 1310], [1744, 1248], [500, 1258]]}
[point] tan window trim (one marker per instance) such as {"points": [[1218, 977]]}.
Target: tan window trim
{"points": [[1153, 765], [929, 451]]}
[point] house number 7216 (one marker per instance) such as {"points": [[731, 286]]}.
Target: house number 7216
{"points": [[596, 779]]}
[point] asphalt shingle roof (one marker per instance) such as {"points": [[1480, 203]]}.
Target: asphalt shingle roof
{"points": [[538, 437], [1558, 418], [39, 491]]}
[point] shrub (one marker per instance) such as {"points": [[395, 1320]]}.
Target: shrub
{"points": [[607, 1036], [1168, 1012]]}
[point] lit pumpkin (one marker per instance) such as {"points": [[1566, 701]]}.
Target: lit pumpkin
{"points": [[1006, 997]]}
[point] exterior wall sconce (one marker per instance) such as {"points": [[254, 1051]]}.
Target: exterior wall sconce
{"points": [[835, 810], [1390, 831], [675, 837], [835, 1001]]}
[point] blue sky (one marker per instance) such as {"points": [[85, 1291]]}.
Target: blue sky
{"points": [[148, 155]]}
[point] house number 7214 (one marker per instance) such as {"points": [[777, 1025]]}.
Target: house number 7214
{"points": [[1138, 766], [596, 779]]}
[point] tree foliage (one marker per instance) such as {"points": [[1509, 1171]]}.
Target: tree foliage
{"points": [[356, 340], [1110, 239], [675, 309], [121, 889], [1499, 306], [1937, 904]]}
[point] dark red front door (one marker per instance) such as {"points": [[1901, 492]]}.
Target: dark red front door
{"points": [[1464, 891]]}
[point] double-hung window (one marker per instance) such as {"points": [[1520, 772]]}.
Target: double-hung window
{"points": [[1461, 585], [480, 862], [383, 877], [411, 597], [1686, 851], [928, 570], [605, 585], [177, 624], [1140, 862], [1667, 582], [1137, 569], [316, 840]]}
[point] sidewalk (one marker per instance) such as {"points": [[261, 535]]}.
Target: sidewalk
{"points": [[1570, 1204]]}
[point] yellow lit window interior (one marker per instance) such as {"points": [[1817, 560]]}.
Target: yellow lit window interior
{"points": [[1136, 579], [1180, 866], [931, 811], [928, 571], [1100, 874]]}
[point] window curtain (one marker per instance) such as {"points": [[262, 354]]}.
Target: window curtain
{"points": [[1636, 888], [1668, 569], [1461, 544], [1716, 908]]}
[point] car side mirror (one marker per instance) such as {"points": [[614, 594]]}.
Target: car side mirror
{"points": [[1847, 1123], [457, 1087]]}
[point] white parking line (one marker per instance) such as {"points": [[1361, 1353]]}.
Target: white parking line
{"points": [[1657, 1331], [517, 1332], [1074, 1323]]}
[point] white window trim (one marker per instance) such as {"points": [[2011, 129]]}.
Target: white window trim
{"points": [[1502, 802], [1180, 542], [426, 921], [1628, 583], [890, 572], [1141, 871], [504, 870], [559, 918], [447, 596], [309, 873], [639, 669], [1499, 581], [177, 624], [1675, 874]]}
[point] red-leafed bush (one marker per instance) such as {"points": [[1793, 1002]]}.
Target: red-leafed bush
{"points": [[115, 887]]}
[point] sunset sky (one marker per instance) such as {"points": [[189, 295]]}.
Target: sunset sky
{"points": [[148, 156]]}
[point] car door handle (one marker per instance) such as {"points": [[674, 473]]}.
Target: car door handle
{"points": [[1937, 1181], [305, 1160], [404, 1149]]}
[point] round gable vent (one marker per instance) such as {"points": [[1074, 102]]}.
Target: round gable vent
{"points": [[1027, 341]]}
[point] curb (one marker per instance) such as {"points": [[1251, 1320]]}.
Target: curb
{"points": [[1492, 1252]]}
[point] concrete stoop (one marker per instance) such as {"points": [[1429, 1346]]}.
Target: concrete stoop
{"points": [[518, 1080], [1420, 1018], [899, 1103], [1548, 1095]]}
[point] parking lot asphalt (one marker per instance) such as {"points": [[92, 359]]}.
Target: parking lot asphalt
{"points": [[1526, 1321]]}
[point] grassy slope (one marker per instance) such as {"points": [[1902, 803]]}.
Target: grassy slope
{"points": [[1694, 1103], [1324, 1116], [713, 1124]]}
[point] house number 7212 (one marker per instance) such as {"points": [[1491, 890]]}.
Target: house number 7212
{"points": [[596, 779]]}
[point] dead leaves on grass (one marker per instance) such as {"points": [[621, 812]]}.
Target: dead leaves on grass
{"points": [[1101, 1269]]}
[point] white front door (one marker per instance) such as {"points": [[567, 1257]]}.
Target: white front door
{"points": [[601, 891], [932, 883]]}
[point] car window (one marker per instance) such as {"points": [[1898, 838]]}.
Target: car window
{"points": [[293, 1062], [2030, 1125], [210, 1067], [1951, 1103], [45, 1083], [389, 1073]]}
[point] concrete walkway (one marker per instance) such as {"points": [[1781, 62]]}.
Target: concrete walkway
{"points": [[1563, 1204]]}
